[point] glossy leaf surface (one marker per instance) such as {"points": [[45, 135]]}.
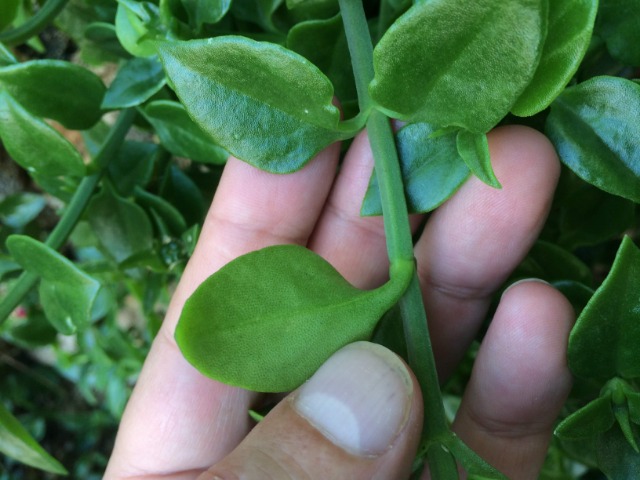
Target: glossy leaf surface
{"points": [[432, 170], [569, 32], [136, 81], [181, 135], [16, 442], [474, 150], [266, 105], [66, 292], [604, 342], [457, 62], [594, 127], [267, 320], [55, 89], [35, 145], [619, 24]]}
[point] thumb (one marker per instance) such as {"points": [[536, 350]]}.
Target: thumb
{"points": [[358, 417]]}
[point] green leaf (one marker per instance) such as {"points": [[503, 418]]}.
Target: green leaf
{"points": [[259, 12], [132, 165], [181, 191], [268, 320], [591, 420], [569, 33], [16, 442], [169, 214], [6, 57], [55, 89], [454, 62], [604, 342], [205, 11], [8, 12], [588, 216], [266, 105], [432, 170], [615, 457], [35, 145], [474, 150], [324, 43], [619, 25], [102, 37], [134, 27], [136, 81], [594, 127], [122, 227], [66, 292], [553, 263], [180, 135], [17, 210]]}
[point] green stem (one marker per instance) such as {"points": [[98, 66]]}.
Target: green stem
{"points": [[73, 212], [399, 242], [35, 24]]}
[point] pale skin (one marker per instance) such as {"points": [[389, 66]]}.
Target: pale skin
{"points": [[181, 425]]}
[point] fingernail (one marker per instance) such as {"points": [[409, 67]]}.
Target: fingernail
{"points": [[524, 280], [359, 399]]}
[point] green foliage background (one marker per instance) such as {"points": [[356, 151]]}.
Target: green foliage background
{"points": [[67, 380]]}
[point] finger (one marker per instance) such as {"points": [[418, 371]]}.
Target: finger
{"points": [[473, 242], [353, 244], [519, 382], [358, 417], [177, 422]]}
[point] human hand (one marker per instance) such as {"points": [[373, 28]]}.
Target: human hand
{"points": [[179, 423]]}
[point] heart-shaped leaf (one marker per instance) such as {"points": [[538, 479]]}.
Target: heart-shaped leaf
{"points": [[66, 292], [595, 129], [35, 145], [55, 89], [432, 170], [604, 342], [569, 32], [455, 62], [16, 442], [180, 135], [268, 320], [263, 103]]}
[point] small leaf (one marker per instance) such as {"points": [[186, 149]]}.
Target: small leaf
{"points": [[8, 11], [55, 89], [266, 105], [569, 32], [35, 145], [591, 420], [17, 210], [170, 215], [136, 81], [460, 63], [594, 127], [66, 292], [132, 165], [6, 57], [432, 170], [553, 263], [134, 27], [324, 43], [205, 11], [257, 11], [180, 135], [122, 227], [603, 343], [474, 150], [16, 442], [269, 319], [619, 25]]}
